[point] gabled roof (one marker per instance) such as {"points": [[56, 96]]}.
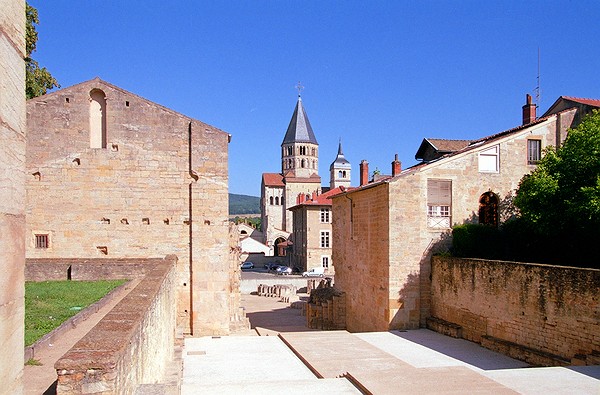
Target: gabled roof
{"points": [[564, 102], [273, 180], [299, 129], [323, 199], [439, 147], [340, 160]]}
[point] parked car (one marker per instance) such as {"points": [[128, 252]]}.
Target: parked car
{"points": [[314, 272], [269, 265], [273, 267], [283, 270], [247, 265]]}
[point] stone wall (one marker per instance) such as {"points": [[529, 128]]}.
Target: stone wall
{"points": [[361, 252], [132, 345], [546, 315], [158, 187], [12, 193]]}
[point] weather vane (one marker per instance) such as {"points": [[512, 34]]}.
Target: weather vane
{"points": [[300, 87]]}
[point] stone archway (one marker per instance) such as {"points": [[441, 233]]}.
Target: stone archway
{"points": [[488, 209]]}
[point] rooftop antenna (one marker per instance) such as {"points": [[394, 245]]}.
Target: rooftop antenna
{"points": [[299, 87], [538, 90]]}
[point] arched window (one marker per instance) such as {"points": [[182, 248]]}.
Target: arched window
{"points": [[303, 163], [277, 200], [340, 174], [97, 119], [488, 209], [282, 200], [271, 200], [313, 152], [344, 174]]}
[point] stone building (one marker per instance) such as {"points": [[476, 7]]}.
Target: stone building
{"points": [[384, 232], [111, 174], [340, 170], [299, 176], [12, 194], [312, 236]]}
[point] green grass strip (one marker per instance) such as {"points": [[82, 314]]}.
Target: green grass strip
{"points": [[50, 303]]}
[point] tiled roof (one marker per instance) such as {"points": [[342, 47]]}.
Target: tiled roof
{"points": [[589, 102], [323, 199], [448, 145], [273, 180], [299, 129]]}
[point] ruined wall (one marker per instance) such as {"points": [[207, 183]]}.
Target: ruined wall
{"points": [[12, 193], [132, 345], [547, 310], [361, 252], [158, 186]]}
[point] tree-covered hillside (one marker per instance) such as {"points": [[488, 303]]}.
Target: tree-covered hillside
{"points": [[243, 204]]}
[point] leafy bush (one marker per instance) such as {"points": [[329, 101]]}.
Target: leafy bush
{"points": [[477, 241]]}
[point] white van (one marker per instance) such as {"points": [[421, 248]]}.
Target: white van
{"points": [[314, 272]]}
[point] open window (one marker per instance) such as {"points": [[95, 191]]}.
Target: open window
{"points": [[439, 203]]}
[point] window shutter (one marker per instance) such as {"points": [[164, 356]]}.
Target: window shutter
{"points": [[439, 192]]}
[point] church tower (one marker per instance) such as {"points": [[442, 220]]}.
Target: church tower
{"points": [[299, 149], [339, 170]]}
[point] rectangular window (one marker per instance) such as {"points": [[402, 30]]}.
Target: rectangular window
{"points": [[41, 241], [489, 160], [324, 239], [325, 216], [439, 203], [534, 151], [325, 261]]}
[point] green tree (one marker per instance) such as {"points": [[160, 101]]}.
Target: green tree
{"points": [[560, 200], [38, 80]]}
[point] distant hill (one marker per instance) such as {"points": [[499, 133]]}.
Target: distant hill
{"points": [[243, 204]]}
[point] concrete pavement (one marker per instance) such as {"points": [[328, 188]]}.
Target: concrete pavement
{"points": [[396, 362]]}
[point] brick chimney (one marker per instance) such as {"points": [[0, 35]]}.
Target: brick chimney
{"points": [[396, 166], [364, 172], [528, 111]]}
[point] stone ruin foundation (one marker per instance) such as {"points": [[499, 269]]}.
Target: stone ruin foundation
{"points": [[326, 309]]}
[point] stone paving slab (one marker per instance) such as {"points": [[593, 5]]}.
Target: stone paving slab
{"points": [[425, 349], [334, 353], [250, 365], [578, 380]]}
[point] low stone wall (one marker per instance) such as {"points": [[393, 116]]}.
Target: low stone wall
{"points": [[133, 344], [544, 315], [47, 269]]}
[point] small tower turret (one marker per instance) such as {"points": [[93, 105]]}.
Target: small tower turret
{"points": [[340, 170]]}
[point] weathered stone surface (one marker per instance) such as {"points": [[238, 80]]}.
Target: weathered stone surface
{"points": [[12, 192], [537, 313]]}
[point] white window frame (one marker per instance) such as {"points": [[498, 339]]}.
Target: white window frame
{"points": [[534, 151], [439, 203], [325, 239], [489, 160], [325, 216]]}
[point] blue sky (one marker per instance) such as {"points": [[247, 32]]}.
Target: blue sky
{"points": [[380, 75]]}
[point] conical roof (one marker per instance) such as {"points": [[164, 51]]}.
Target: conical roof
{"points": [[299, 129], [340, 161]]}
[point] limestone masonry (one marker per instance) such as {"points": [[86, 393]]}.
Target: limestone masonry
{"points": [[110, 174]]}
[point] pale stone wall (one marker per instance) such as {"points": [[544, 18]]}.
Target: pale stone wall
{"points": [[132, 345], [135, 198], [361, 252], [12, 193], [382, 255], [549, 309], [307, 238], [292, 190]]}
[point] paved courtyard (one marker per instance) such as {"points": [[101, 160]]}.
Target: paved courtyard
{"points": [[288, 358]]}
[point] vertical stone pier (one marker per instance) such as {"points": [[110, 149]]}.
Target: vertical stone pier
{"points": [[12, 194]]}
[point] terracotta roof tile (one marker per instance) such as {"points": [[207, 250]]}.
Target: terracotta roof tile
{"points": [[590, 102], [273, 180]]}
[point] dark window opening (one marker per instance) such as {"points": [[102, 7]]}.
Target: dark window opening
{"points": [[488, 209]]}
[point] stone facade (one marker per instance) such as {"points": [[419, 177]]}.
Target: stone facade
{"points": [[312, 235], [384, 232], [12, 193], [156, 184], [547, 314]]}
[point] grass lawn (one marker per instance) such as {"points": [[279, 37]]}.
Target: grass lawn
{"points": [[50, 303]]}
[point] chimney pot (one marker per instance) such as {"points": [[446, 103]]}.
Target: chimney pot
{"points": [[364, 172], [396, 166], [529, 111]]}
